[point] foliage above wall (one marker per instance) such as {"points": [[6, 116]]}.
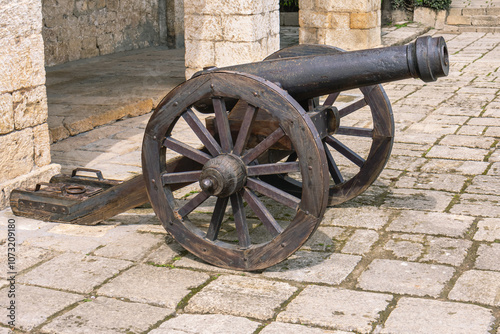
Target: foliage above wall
{"points": [[289, 5], [410, 4]]}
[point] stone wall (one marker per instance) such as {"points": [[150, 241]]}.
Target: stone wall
{"points": [[227, 32], [76, 29], [24, 135], [343, 23]]}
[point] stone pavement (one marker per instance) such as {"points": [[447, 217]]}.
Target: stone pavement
{"points": [[419, 252]]}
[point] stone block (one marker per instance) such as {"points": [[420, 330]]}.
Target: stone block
{"points": [[485, 20], [199, 54], [207, 323], [458, 20], [314, 267], [421, 316], [308, 35], [347, 6], [35, 305], [42, 145], [488, 256], [6, 114], [233, 53], [363, 217], [354, 39], [203, 27], [164, 286], [281, 327], [17, 154], [477, 286], [334, 308], [477, 205], [364, 20], [105, 44], [405, 277], [241, 296], [106, 315], [120, 247], [474, 11], [245, 28], [30, 107], [488, 229], [425, 16], [74, 272], [435, 223], [360, 242], [415, 199]]}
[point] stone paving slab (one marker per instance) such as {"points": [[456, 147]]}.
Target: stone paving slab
{"points": [[281, 327], [421, 316], [488, 257], [74, 272], [241, 296], [206, 324], [314, 267], [154, 285], [477, 286], [431, 223], [335, 308], [405, 277], [107, 316], [35, 305]]}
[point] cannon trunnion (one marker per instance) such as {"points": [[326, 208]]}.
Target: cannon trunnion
{"points": [[246, 186]]}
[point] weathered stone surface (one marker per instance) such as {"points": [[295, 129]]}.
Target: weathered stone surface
{"points": [[414, 199], [457, 153], [281, 327], [17, 154], [107, 316], [314, 267], [164, 286], [487, 257], [120, 247], [241, 296], [30, 107], [445, 182], [454, 166], [446, 250], [423, 316], [405, 277], [81, 230], [477, 205], [165, 254], [360, 242], [26, 257], [484, 184], [74, 272], [364, 217], [206, 324], [478, 287], [335, 308], [6, 114], [42, 145], [405, 247], [35, 305], [431, 223]]}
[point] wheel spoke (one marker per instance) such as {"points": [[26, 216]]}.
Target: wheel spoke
{"points": [[262, 213], [186, 150], [181, 177], [193, 204], [330, 100], [264, 145], [274, 193], [244, 132], [332, 167], [222, 124], [345, 151], [201, 132], [217, 217], [352, 131], [240, 220], [352, 108], [277, 168]]}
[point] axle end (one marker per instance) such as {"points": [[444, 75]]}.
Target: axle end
{"points": [[428, 58]]}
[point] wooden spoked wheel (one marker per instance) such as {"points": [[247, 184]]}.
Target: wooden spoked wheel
{"points": [[229, 219], [362, 141]]}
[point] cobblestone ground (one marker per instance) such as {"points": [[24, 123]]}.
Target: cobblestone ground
{"points": [[419, 252]]}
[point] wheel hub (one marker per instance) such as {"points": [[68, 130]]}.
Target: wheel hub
{"points": [[223, 175]]}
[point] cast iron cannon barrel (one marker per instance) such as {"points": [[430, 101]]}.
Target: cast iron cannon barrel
{"points": [[315, 75]]}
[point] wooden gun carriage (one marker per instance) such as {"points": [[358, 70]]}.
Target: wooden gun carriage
{"points": [[267, 163]]}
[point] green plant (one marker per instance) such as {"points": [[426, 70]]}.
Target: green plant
{"points": [[289, 5], [409, 5]]}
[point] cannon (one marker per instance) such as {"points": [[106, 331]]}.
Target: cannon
{"points": [[278, 144]]}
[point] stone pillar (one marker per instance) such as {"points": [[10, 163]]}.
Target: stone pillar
{"points": [[350, 25], [175, 23], [24, 134], [228, 32]]}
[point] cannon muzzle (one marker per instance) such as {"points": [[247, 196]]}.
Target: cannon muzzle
{"points": [[320, 74]]}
